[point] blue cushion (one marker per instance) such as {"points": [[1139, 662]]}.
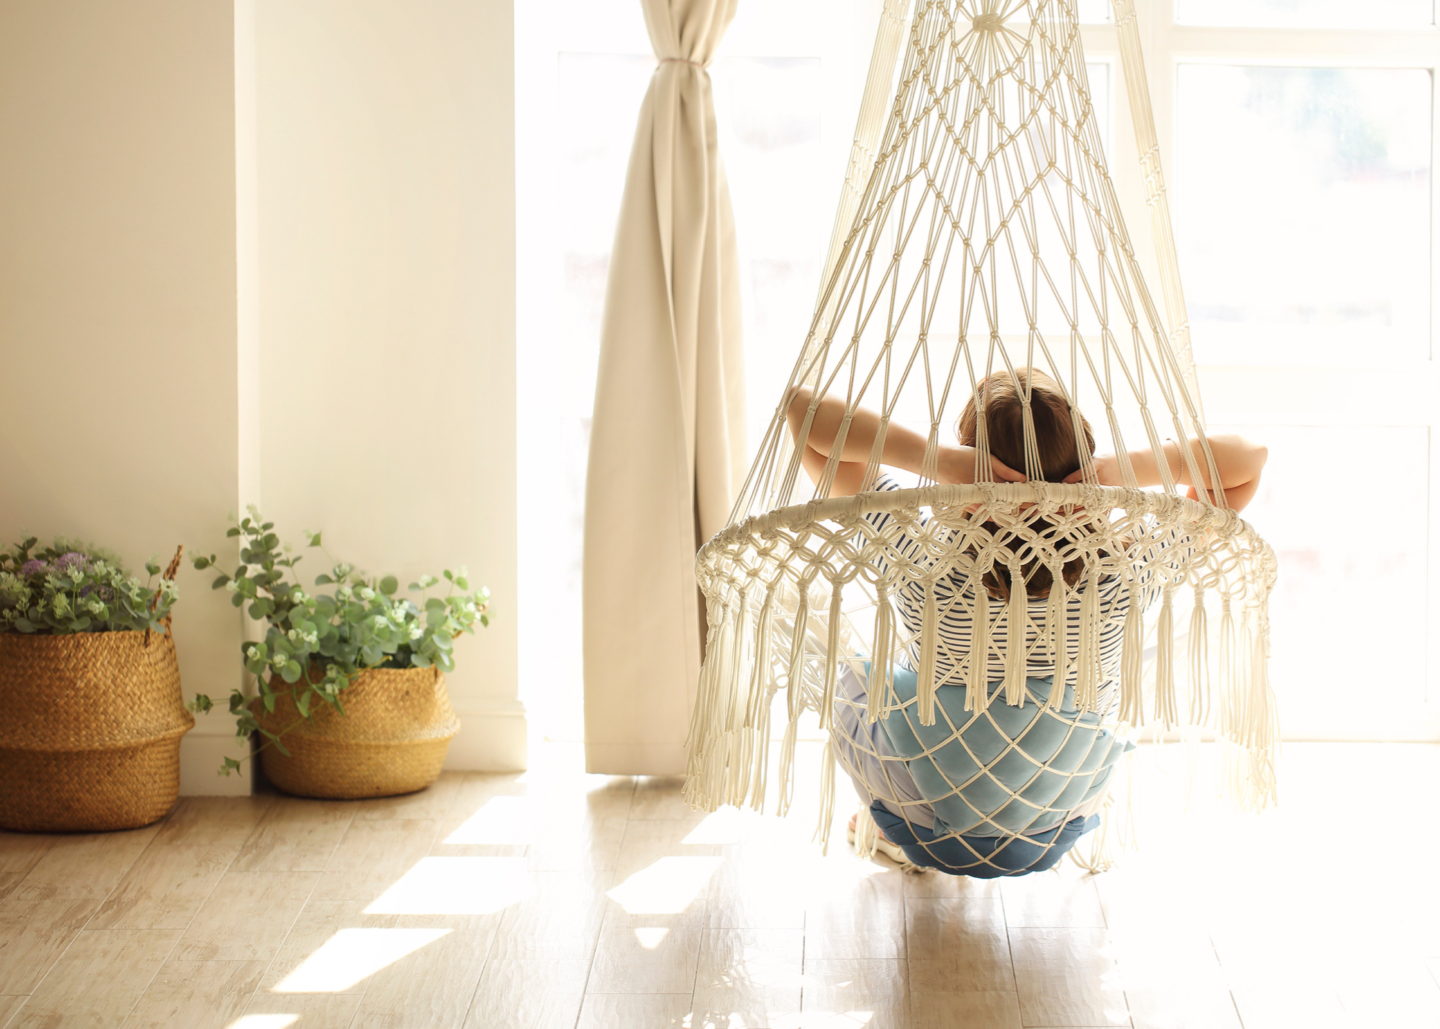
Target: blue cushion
{"points": [[1008, 770]]}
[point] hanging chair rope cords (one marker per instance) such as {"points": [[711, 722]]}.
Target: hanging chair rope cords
{"points": [[1015, 618], [832, 655], [929, 644], [1198, 644], [882, 655], [1166, 709]]}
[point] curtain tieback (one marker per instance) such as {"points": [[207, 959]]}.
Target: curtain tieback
{"points": [[681, 60]]}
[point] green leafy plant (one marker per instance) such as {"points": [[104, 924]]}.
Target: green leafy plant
{"points": [[71, 587], [317, 643]]}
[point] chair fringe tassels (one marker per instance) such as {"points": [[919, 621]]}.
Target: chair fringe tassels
{"points": [[1058, 622], [977, 680], [882, 656], [827, 798], [1166, 707], [795, 676], [832, 656], [1132, 661], [1087, 660], [1015, 623], [867, 834], [929, 643], [760, 679], [1199, 646]]}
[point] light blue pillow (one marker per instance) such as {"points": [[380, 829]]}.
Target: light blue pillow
{"points": [[1009, 770]]}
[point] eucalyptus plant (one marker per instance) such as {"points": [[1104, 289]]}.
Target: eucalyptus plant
{"points": [[317, 643], [71, 587]]}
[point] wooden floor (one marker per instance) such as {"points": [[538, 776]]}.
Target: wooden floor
{"points": [[558, 899]]}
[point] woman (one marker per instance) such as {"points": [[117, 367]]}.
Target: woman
{"points": [[905, 820]]}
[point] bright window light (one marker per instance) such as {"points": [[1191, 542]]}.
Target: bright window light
{"points": [[456, 886], [346, 958], [501, 820], [724, 826], [667, 887]]}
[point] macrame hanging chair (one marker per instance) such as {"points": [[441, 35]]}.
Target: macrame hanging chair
{"points": [[979, 232]]}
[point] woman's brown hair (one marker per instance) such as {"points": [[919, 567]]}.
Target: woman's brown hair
{"points": [[1058, 450]]}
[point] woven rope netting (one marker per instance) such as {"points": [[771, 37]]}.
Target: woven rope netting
{"points": [[979, 232]]}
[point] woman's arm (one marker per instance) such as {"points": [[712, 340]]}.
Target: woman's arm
{"points": [[903, 448], [1237, 459]]}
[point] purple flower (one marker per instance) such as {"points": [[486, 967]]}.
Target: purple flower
{"points": [[74, 559], [34, 567]]}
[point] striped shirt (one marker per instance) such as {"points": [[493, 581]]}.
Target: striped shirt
{"points": [[955, 601]]}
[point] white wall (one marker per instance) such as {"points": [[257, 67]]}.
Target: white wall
{"points": [[117, 298], [353, 370], [385, 143]]}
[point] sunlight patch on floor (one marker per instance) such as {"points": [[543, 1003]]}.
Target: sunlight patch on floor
{"points": [[651, 937], [667, 887], [501, 820], [456, 886], [350, 956], [726, 825], [263, 1022]]}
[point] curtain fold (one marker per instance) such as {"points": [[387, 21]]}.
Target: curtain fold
{"points": [[667, 445]]}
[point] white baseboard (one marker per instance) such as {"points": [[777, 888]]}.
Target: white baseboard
{"points": [[201, 756], [491, 739]]}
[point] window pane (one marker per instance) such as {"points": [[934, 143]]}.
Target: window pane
{"points": [[1094, 12], [1308, 14], [1303, 212], [1349, 606]]}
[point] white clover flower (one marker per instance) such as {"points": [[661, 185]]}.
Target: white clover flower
{"points": [[416, 632], [299, 597], [367, 593], [344, 592], [310, 639], [232, 586], [278, 661], [381, 621]]}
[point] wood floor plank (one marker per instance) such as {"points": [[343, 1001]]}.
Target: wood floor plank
{"points": [[1172, 979], [660, 796], [295, 836], [647, 841], [1288, 1005], [653, 1011], [18, 854], [1064, 897], [311, 1011], [317, 924], [84, 866], [851, 993], [1067, 977], [430, 804], [212, 821], [98, 979], [373, 855], [754, 891], [165, 887], [430, 988], [526, 993], [638, 959], [247, 916], [559, 920], [958, 944], [8, 1007], [33, 935], [748, 978], [196, 995], [971, 1009]]}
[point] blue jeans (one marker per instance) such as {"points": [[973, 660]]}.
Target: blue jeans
{"points": [[982, 857]]}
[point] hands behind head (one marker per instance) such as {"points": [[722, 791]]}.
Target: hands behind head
{"points": [[1107, 471], [957, 467]]}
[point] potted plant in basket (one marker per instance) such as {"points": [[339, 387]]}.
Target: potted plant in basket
{"points": [[350, 688], [90, 688]]}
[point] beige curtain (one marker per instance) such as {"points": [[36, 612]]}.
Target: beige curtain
{"points": [[667, 444]]}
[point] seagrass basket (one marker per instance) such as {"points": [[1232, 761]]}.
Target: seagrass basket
{"points": [[392, 738], [90, 735]]}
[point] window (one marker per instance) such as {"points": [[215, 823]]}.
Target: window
{"points": [[1298, 155]]}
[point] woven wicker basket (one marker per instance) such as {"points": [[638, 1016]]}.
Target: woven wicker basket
{"points": [[392, 738], [90, 733]]}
